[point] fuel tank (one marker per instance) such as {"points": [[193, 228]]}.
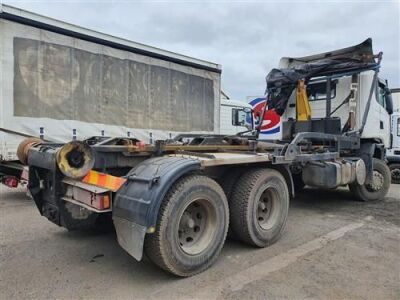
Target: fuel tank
{"points": [[332, 174]]}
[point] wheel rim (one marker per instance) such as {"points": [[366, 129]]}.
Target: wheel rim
{"points": [[377, 182], [395, 173], [197, 226], [268, 206]]}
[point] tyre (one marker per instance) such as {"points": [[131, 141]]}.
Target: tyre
{"points": [[191, 227], [259, 207], [395, 173], [379, 187], [227, 182]]}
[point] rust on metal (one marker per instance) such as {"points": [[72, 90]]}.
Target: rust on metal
{"points": [[24, 146]]}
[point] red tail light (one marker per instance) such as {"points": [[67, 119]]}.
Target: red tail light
{"points": [[10, 181]]}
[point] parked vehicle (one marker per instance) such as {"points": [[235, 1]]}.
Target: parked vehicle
{"points": [[60, 82], [393, 153], [231, 109], [174, 199]]}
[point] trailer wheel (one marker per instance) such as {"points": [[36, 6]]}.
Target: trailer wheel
{"points": [[259, 207], [379, 187], [395, 173], [191, 228]]}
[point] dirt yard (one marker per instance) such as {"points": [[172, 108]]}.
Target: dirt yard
{"points": [[333, 247]]}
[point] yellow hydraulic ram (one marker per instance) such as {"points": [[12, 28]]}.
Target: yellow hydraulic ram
{"points": [[302, 103]]}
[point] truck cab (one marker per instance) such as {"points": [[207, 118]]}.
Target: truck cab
{"points": [[393, 153], [235, 117], [377, 124]]}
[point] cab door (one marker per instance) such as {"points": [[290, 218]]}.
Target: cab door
{"points": [[395, 131], [384, 116]]}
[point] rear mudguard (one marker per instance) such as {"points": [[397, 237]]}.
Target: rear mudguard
{"points": [[137, 202]]}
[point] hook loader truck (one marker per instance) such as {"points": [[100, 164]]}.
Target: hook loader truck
{"points": [[175, 199]]}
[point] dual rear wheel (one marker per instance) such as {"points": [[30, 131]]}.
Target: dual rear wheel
{"points": [[259, 207], [194, 218]]}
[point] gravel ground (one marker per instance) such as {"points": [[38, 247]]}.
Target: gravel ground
{"points": [[333, 247]]}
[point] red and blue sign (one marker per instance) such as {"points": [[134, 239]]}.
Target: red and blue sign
{"points": [[271, 123]]}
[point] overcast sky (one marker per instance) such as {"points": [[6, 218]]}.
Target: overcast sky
{"points": [[246, 37]]}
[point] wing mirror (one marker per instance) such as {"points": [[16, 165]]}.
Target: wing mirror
{"points": [[388, 100]]}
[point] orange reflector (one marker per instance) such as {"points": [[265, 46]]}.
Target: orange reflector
{"points": [[106, 201], [104, 180]]}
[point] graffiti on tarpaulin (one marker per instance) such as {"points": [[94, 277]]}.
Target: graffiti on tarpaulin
{"points": [[271, 124]]}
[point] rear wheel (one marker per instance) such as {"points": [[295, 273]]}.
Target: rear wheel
{"points": [[259, 207], [378, 188], [395, 173], [191, 227], [227, 183]]}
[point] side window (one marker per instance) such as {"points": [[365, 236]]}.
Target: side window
{"points": [[242, 117], [381, 95], [317, 91], [238, 117]]}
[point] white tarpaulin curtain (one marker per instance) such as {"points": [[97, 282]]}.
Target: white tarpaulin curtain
{"points": [[58, 84]]}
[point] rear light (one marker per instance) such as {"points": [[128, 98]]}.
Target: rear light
{"points": [[100, 201], [10, 181], [106, 201], [91, 197]]}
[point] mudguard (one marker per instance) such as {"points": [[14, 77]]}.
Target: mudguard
{"points": [[367, 151], [137, 202]]}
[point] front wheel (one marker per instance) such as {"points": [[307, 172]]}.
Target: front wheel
{"points": [[259, 207], [191, 228], [379, 186]]}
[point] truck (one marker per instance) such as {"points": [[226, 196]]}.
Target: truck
{"points": [[174, 200], [230, 110], [393, 152], [61, 82]]}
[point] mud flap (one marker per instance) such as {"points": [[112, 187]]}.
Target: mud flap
{"points": [[366, 152], [130, 236], [137, 202]]}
